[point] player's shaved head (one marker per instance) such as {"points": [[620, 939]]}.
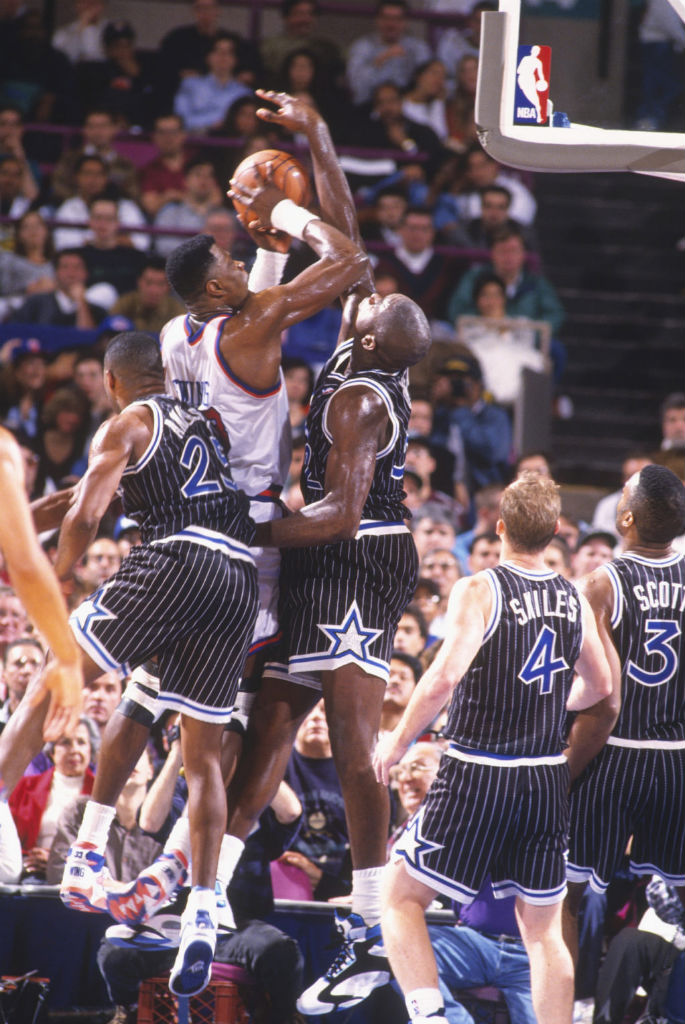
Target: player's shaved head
{"points": [[656, 497], [402, 331], [133, 356]]}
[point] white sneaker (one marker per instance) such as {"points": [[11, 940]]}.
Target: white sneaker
{"points": [[193, 965]]}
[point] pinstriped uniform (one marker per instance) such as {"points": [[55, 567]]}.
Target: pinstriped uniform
{"points": [[499, 804], [636, 785], [341, 602], [188, 593]]}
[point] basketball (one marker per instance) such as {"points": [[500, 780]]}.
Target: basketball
{"points": [[287, 173]]}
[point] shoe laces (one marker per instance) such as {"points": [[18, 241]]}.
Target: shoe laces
{"points": [[344, 956]]}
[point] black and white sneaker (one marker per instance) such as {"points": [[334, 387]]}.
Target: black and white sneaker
{"points": [[360, 966]]}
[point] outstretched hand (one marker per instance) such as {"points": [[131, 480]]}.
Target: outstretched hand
{"points": [[64, 683], [295, 115]]}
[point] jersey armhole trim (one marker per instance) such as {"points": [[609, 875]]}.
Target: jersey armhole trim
{"points": [[496, 610], [157, 428], [614, 579]]}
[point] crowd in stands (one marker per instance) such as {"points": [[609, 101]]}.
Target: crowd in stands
{"points": [[446, 225]]}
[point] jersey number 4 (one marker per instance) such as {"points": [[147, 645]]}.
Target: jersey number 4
{"points": [[663, 633], [542, 661]]}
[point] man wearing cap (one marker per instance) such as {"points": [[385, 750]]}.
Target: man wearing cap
{"points": [[594, 548], [67, 305], [484, 427]]}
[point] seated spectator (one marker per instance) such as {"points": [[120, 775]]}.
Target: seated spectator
{"points": [[241, 123], [486, 503], [222, 224], [434, 467], [484, 552], [463, 131], [299, 32], [441, 566], [301, 75], [425, 100], [482, 170], [299, 383], [672, 416], [456, 43], [432, 527], [89, 382], [22, 662], [13, 200], [423, 274], [202, 101], [67, 306], [125, 81], [558, 557], [413, 776], [30, 267], [162, 179], [427, 598], [113, 264], [569, 530], [382, 221], [151, 305], [101, 698], [23, 387], [504, 346], [81, 39], [12, 144], [14, 622], [604, 515], [533, 462], [405, 672], [200, 195], [321, 849], [593, 549], [37, 801], [101, 560], [36, 77], [389, 54], [495, 202], [91, 183], [98, 132], [484, 427], [60, 445], [412, 632]]}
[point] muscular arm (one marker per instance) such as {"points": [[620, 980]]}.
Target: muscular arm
{"points": [[49, 511], [596, 692], [357, 422], [117, 440], [468, 611]]}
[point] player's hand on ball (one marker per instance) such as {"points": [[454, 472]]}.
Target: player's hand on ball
{"points": [[268, 238], [294, 115], [260, 198]]}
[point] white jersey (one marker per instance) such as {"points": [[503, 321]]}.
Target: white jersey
{"points": [[257, 423]]}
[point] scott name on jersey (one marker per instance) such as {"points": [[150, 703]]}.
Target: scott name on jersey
{"points": [[660, 594]]}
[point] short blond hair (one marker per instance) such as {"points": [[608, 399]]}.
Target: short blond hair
{"points": [[529, 510]]}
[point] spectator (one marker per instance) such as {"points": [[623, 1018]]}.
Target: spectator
{"points": [[569, 530], [151, 304], [661, 42], [222, 224], [386, 55], [23, 387], [533, 462], [13, 201], [30, 268], [12, 144], [456, 43], [162, 179], [412, 632], [594, 549], [124, 83], [299, 382], [495, 204], [423, 274], [463, 131], [483, 170], [201, 193], [558, 557], [202, 101], [36, 77], [100, 561], [484, 427], [432, 528], [60, 446], [382, 221], [14, 621], [321, 849], [101, 698], [89, 382], [37, 801], [81, 39], [300, 32], [484, 552], [113, 265], [433, 466], [425, 100], [441, 566], [22, 662], [413, 777], [405, 672], [91, 183], [672, 415], [98, 132], [301, 75], [427, 598], [486, 504], [67, 305], [604, 515]]}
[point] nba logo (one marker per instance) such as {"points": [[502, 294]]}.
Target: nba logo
{"points": [[532, 85]]}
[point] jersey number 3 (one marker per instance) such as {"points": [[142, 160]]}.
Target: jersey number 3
{"points": [[542, 662], [663, 631]]}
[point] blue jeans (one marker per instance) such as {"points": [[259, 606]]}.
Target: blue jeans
{"points": [[468, 959]]}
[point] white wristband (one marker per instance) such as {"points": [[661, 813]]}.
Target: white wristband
{"points": [[267, 269], [287, 216]]}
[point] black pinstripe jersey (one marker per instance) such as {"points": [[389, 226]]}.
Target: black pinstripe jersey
{"points": [[512, 699], [648, 623], [386, 494], [183, 478]]}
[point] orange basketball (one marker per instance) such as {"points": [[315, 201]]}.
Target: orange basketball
{"points": [[287, 173]]}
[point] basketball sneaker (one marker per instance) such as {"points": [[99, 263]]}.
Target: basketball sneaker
{"points": [[85, 878], [139, 900], [193, 965], [360, 966]]}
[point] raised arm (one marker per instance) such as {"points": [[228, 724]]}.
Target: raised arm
{"points": [[468, 610], [110, 452], [596, 691], [357, 422]]}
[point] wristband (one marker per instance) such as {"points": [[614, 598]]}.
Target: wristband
{"points": [[267, 269], [292, 219]]}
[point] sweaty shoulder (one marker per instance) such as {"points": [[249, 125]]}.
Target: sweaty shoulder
{"points": [[597, 588]]}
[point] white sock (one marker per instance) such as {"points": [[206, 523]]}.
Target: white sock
{"points": [[425, 1003], [94, 829], [200, 898], [229, 855], [179, 838], [366, 894]]}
